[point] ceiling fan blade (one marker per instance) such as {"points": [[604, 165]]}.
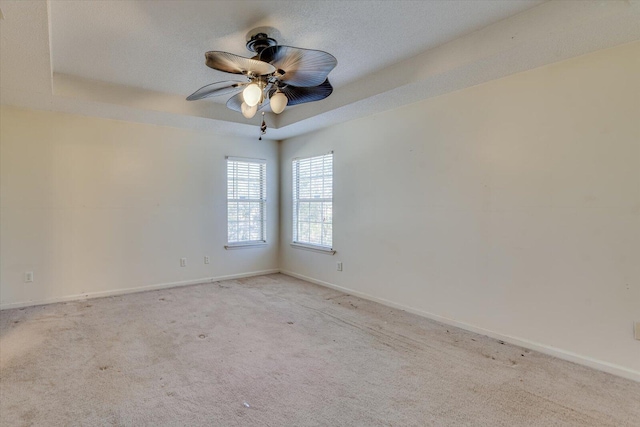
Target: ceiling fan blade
{"points": [[216, 89], [230, 63], [235, 103], [300, 95], [303, 67]]}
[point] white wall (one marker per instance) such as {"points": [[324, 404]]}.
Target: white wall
{"points": [[511, 207], [94, 206]]}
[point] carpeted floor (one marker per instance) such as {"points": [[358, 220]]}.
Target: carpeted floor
{"points": [[277, 351]]}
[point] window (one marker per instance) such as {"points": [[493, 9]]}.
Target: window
{"points": [[313, 201], [246, 201]]}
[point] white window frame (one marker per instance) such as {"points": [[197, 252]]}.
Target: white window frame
{"points": [[232, 181], [297, 240]]}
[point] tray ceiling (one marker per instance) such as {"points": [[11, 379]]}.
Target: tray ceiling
{"points": [[139, 60]]}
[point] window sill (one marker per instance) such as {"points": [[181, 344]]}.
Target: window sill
{"points": [[311, 248], [245, 245]]}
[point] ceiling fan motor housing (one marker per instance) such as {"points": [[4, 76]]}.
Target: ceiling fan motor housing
{"points": [[260, 41]]}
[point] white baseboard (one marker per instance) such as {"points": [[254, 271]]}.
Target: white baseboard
{"points": [[521, 342], [542, 348], [124, 291]]}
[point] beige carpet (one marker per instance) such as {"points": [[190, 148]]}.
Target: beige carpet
{"points": [[277, 351]]}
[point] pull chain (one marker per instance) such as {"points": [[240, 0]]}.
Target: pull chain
{"points": [[263, 127]]}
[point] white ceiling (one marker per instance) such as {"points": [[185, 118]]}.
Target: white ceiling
{"points": [[138, 60], [160, 46]]}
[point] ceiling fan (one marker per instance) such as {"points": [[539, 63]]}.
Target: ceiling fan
{"points": [[283, 75]]}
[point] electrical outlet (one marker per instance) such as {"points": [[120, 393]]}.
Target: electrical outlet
{"points": [[636, 330], [183, 262], [28, 276], [339, 266], [207, 260]]}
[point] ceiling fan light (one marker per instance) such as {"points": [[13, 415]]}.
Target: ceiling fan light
{"points": [[278, 102], [247, 111], [252, 94]]}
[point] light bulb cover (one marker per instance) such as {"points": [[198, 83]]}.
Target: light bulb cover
{"points": [[252, 94], [247, 111], [278, 102]]}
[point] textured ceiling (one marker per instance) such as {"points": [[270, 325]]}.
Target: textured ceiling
{"points": [[138, 60], [160, 45]]}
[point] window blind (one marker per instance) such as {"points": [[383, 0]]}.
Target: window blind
{"points": [[313, 201], [246, 200]]}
